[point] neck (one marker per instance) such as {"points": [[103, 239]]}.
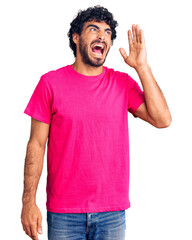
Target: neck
{"points": [[87, 70]]}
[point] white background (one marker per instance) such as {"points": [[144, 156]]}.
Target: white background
{"points": [[34, 41]]}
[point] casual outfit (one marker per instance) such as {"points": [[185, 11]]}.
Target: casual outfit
{"points": [[88, 143]]}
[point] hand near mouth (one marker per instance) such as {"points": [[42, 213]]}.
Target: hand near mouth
{"points": [[137, 50]]}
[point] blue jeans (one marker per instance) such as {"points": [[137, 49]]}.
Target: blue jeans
{"points": [[86, 226]]}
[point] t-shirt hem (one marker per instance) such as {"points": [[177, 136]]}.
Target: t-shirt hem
{"points": [[133, 110], [89, 210], [36, 116]]}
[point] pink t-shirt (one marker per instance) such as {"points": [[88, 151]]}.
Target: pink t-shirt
{"points": [[88, 143]]}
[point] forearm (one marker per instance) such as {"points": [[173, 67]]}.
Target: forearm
{"points": [[32, 171], [155, 101]]}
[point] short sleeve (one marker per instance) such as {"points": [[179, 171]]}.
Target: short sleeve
{"points": [[39, 105], [135, 96]]}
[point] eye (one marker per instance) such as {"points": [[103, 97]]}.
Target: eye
{"points": [[92, 29], [109, 33]]}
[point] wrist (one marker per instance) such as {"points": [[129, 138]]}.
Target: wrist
{"points": [[28, 199], [142, 68]]}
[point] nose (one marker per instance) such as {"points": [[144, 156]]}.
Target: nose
{"points": [[101, 35]]}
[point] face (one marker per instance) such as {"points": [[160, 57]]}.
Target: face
{"points": [[94, 43]]}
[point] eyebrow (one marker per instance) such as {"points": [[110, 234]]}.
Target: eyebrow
{"points": [[92, 25]]}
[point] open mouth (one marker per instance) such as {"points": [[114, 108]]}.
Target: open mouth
{"points": [[98, 49]]}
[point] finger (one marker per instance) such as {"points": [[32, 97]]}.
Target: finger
{"points": [[134, 33], [28, 230], [137, 33], [34, 233], [23, 226], [123, 53], [25, 230], [39, 226], [142, 40], [130, 39]]}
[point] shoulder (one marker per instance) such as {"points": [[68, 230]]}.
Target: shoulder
{"points": [[117, 75], [51, 77], [55, 72], [114, 73]]}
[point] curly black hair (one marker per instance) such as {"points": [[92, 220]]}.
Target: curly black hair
{"points": [[96, 13]]}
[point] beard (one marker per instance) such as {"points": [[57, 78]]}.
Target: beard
{"points": [[97, 62]]}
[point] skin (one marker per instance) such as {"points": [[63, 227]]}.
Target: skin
{"points": [[90, 34], [31, 217], [154, 110], [93, 29]]}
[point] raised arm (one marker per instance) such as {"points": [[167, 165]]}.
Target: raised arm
{"points": [[31, 217], [155, 109]]}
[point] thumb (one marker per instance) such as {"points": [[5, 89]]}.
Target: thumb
{"points": [[39, 226], [123, 53]]}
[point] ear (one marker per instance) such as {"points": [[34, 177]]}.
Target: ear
{"points": [[75, 38]]}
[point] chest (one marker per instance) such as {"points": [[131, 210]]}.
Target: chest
{"points": [[96, 102]]}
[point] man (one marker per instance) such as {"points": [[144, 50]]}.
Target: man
{"points": [[82, 110]]}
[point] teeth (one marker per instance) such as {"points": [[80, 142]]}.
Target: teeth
{"points": [[98, 45]]}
